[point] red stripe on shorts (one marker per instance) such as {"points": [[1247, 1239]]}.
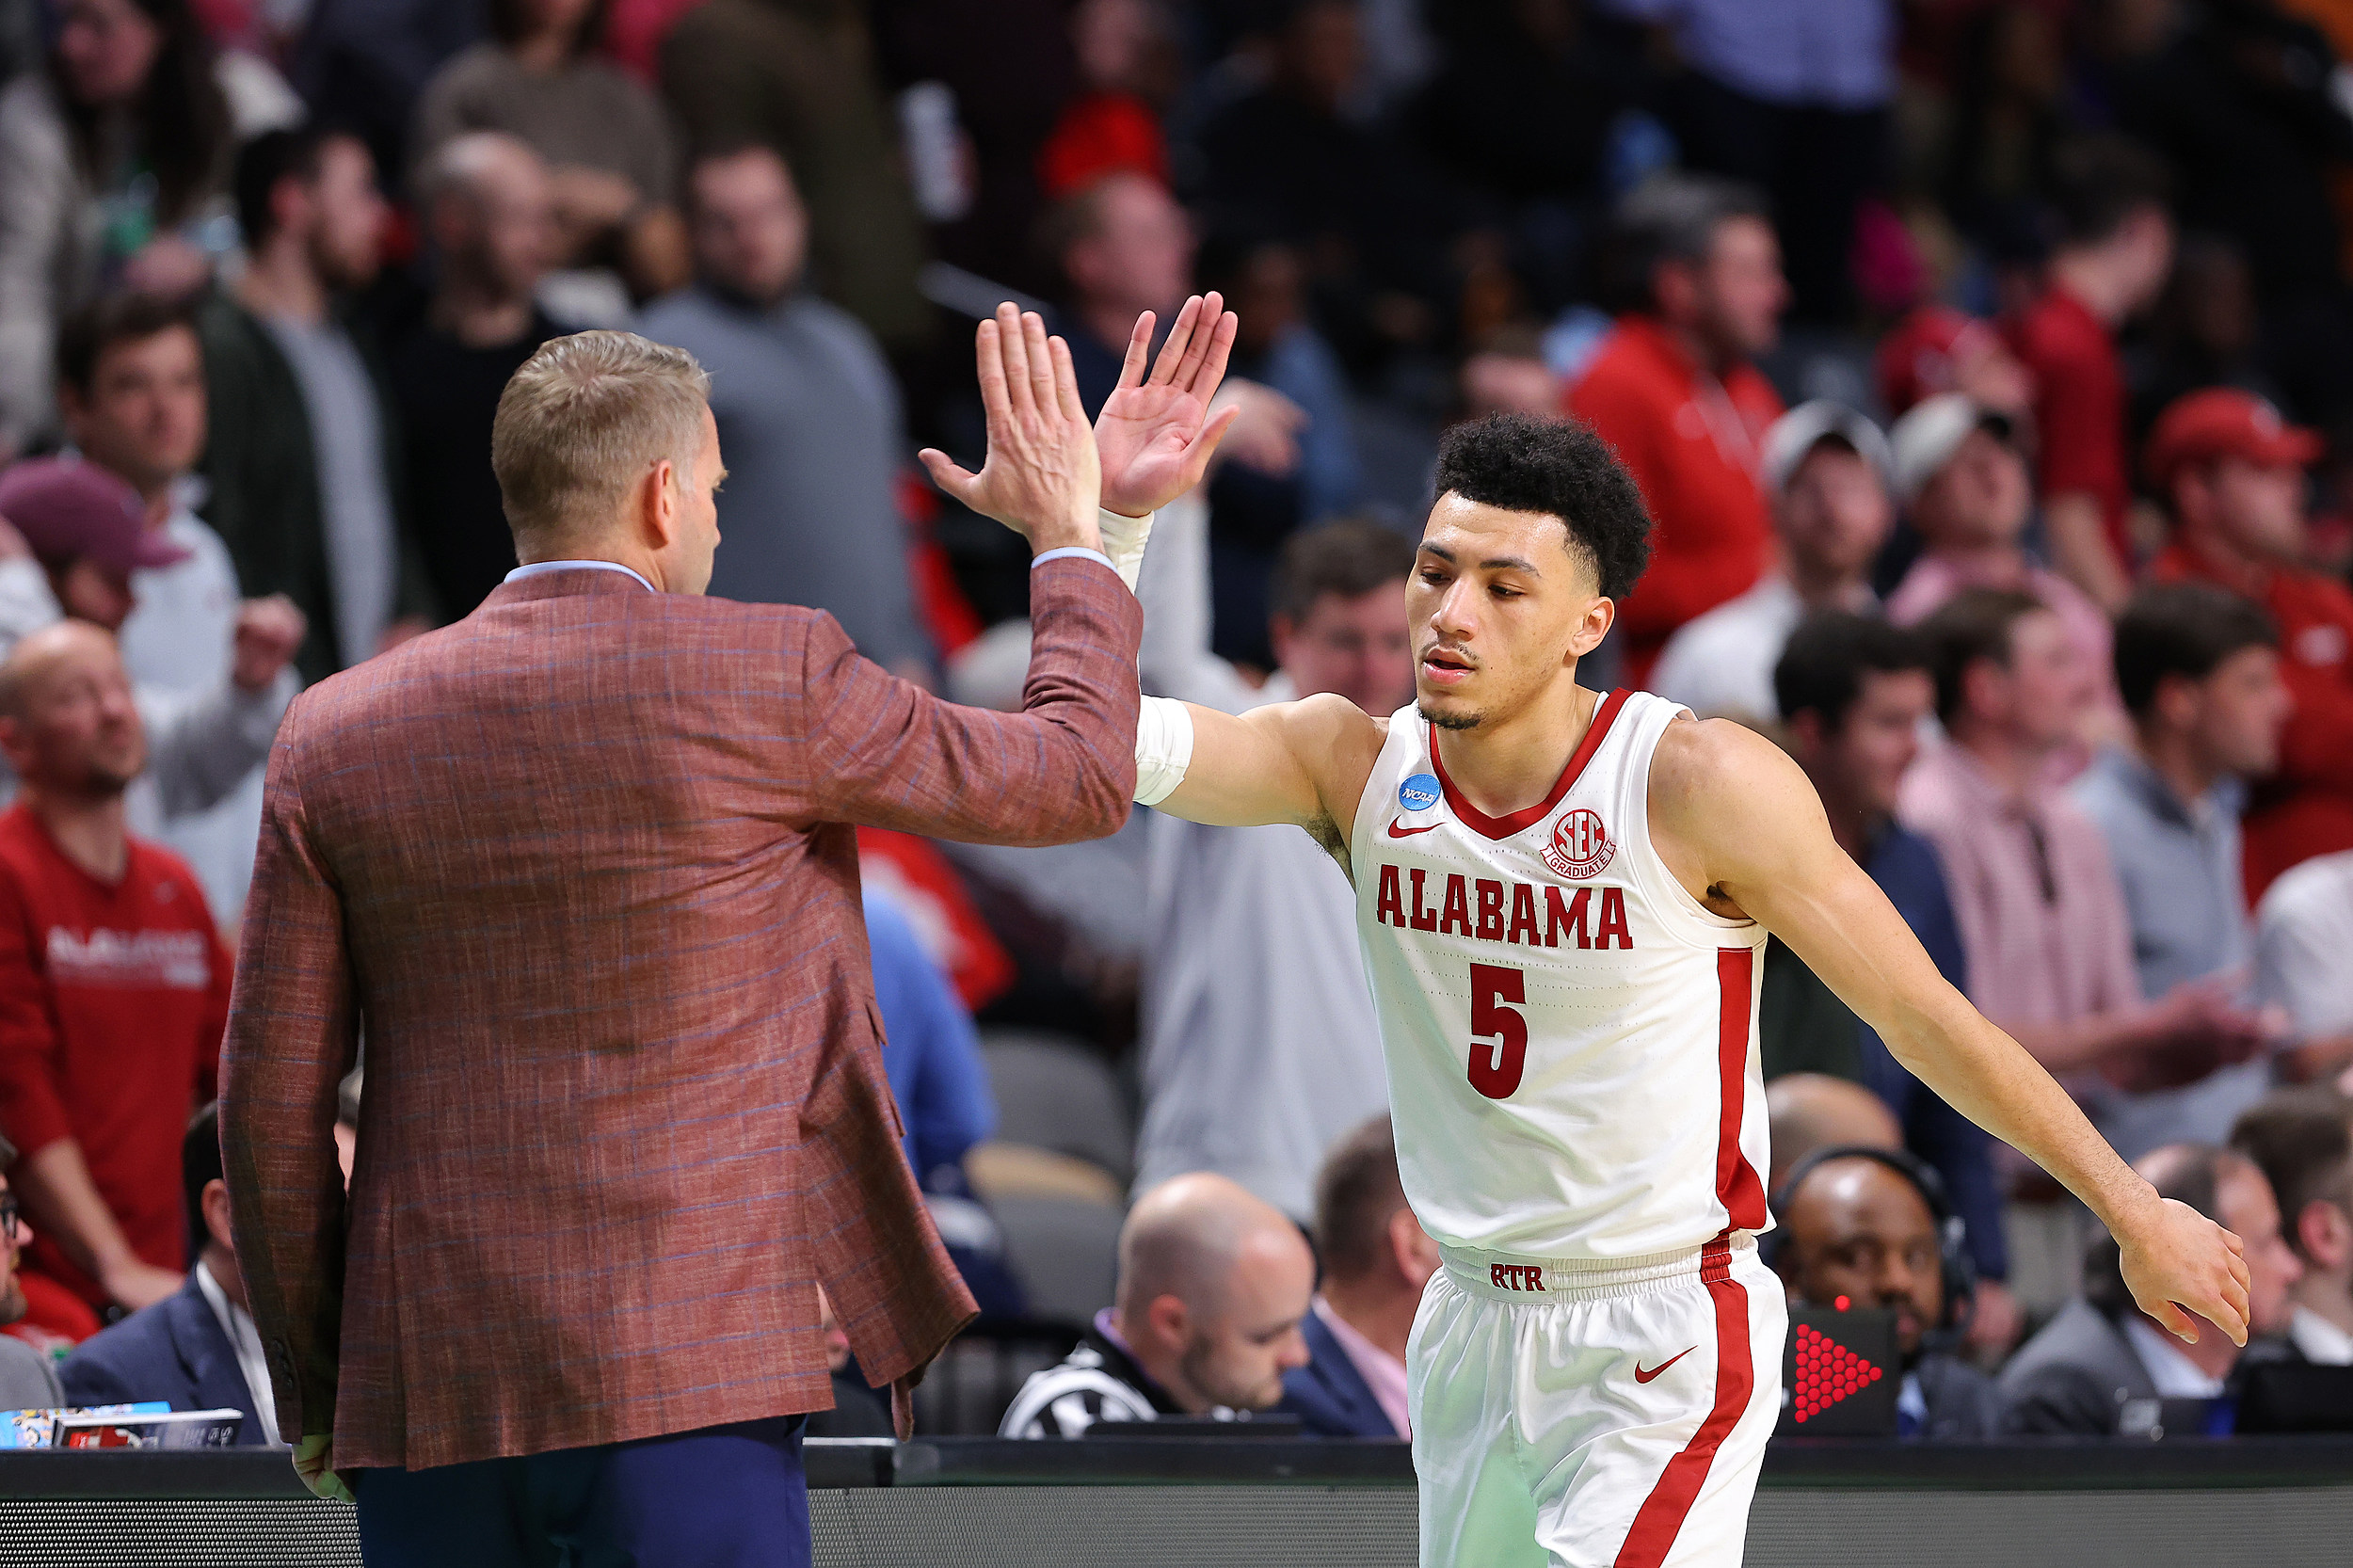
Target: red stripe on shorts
{"points": [[1737, 1186], [1662, 1512]]}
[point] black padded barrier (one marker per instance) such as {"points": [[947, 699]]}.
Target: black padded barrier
{"points": [[1206, 1503]]}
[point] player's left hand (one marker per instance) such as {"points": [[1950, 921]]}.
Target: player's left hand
{"points": [[2175, 1257], [1155, 435]]}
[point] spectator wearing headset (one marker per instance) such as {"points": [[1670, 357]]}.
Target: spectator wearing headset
{"points": [[1872, 1226]]}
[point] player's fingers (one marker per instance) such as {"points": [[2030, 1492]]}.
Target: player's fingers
{"points": [[990, 363], [948, 475], [2176, 1321], [1198, 343], [1212, 372], [1173, 351], [1139, 350], [1016, 354], [1205, 445], [1041, 360], [2235, 1301], [1067, 381]]}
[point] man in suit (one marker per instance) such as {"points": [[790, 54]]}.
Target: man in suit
{"points": [[197, 1347], [2102, 1368], [2303, 1139], [1376, 1258], [583, 867]]}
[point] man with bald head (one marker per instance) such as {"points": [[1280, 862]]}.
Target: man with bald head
{"points": [[114, 987], [1212, 1286], [1810, 1112], [2103, 1368], [488, 211], [1858, 1228]]}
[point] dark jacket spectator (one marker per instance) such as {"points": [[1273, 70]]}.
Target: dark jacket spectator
{"points": [[2303, 1141], [302, 464], [2102, 1368], [799, 77], [196, 1348], [1697, 275], [1376, 1259]]}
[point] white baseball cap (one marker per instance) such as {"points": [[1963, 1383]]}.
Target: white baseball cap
{"points": [[1803, 428], [1926, 439]]}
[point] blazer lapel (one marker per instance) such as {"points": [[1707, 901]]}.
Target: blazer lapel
{"points": [[210, 1360]]}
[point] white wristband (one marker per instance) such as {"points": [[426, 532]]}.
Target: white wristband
{"points": [[1164, 748], [1123, 541]]}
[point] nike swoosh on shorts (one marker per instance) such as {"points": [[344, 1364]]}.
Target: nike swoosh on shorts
{"points": [[1641, 1376]]}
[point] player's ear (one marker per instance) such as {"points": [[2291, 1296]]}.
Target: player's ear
{"points": [[1600, 615]]}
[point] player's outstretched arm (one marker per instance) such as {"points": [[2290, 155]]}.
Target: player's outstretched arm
{"points": [[1302, 763], [1735, 816]]}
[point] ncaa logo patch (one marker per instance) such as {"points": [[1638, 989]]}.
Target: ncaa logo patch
{"points": [[1418, 792], [1580, 845]]}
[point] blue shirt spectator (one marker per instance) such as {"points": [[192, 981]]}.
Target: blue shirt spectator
{"points": [[930, 1052]]}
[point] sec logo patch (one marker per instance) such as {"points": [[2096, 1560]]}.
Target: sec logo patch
{"points": [[1580, 845], [1418, 792]]}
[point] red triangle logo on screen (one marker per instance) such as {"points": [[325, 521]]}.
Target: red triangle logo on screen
{"points": [[1827, 1373]]}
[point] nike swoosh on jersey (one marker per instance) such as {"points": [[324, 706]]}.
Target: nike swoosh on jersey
{"points": [[1397, 832], [1641, 1376]]}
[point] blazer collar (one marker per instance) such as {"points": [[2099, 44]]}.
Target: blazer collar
{"points": [[563, 585]]}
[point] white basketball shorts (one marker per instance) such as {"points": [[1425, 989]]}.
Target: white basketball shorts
{"points": [[1569, 1415]]}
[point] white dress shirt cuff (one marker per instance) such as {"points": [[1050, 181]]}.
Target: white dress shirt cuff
{"points": [[1072, 552]]}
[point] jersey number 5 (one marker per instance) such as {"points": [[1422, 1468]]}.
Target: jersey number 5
{"points": [[1495, 1070]]}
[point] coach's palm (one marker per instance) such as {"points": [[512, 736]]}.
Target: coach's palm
{"points": [[1155, 434]]}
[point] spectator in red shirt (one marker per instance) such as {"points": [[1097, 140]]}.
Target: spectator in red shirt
{"points": [[1671, 389], [114, 987], [2233, 475], [2115, 248]]}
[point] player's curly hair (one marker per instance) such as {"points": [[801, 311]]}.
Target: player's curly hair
{"points": [[1525, 464]]}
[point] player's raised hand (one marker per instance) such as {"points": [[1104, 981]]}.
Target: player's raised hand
{"points": [[2175, 1257], [1155, 433], [1040, 477]]}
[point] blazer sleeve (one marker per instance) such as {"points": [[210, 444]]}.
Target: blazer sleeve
{"points": [[885, 753], [292, 1035]]}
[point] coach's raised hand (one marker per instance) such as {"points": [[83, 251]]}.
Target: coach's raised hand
{"points": [[1156, 434], [1040, 478]]}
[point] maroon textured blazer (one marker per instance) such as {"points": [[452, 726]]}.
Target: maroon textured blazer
{"points": [[583, 867]]}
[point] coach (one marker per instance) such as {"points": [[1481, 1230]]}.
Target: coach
{"points": [[582, 869]]}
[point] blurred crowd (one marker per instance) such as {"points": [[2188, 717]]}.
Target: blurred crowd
{"points": [[1987, 367]]}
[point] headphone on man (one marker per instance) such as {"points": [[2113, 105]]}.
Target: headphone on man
{"points": [[1955, 1265]]}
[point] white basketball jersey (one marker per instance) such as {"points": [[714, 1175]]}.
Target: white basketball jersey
{"points": [[1571, 1035]]}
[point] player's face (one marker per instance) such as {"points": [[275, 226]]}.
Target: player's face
{"points": [[1882, 736], [1860, 1231], [2244, 1204], [1355, 648], [1501, 608], [1238, 1359]]}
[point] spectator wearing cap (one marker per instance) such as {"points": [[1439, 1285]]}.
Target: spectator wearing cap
{"points": [[1696, 278], [1376, 1258], [1827, 469], [114, 985], [2042, 918], [2199, 672], [1937, 349], [2303, 930], [1867, 1228], [1853, 693], [2232, 476], [2103, 1368], [2115, 248], [1961, 476], [28, 1379], [2303, 1141], [92, 557]]}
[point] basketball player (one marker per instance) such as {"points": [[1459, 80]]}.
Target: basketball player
{"points": [[1561, 897]]}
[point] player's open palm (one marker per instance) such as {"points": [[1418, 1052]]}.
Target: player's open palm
{"points": [[2178, 1259], [1040, 478], [1155, 433]]}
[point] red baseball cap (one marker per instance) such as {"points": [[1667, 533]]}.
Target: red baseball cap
{"points": [[2224, 421], [71, 510]]}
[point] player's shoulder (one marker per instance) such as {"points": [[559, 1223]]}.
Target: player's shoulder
{"points": [[1713, 765]]}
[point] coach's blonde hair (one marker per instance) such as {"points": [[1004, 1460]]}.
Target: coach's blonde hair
{"points": [[581, 423]]}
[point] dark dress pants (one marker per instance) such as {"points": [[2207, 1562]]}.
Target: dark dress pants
{"points": [[731, 1496]]}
